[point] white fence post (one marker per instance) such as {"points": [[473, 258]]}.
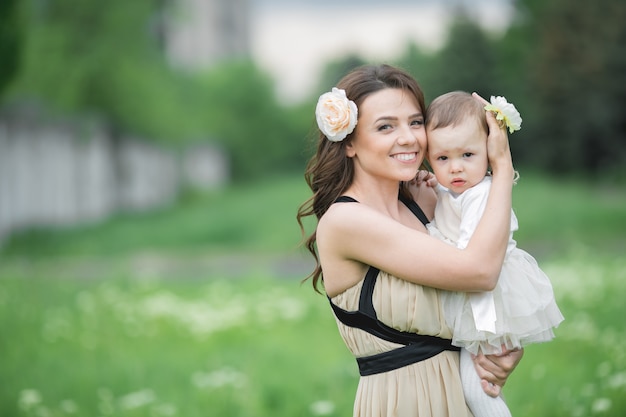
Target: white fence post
{"points": [[63, 173]]}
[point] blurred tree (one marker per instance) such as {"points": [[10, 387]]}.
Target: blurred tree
{"points": [[467, 62], [241, 111], [72, 44], [420, 65], [81, 57], [574, 74], [10, 40], [335, 70]]}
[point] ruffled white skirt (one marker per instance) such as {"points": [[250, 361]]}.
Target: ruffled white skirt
{"points": [[523, 303]]}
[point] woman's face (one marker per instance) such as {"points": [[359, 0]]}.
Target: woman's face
{"points": [[389, 140]]}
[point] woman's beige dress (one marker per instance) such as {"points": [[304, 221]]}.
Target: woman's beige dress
{"points": [[430, 388]]}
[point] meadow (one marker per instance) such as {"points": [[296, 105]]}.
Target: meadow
{"points": [[198, 310]]}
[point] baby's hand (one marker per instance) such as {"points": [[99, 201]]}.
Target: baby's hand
{"points": [[425, 177]]}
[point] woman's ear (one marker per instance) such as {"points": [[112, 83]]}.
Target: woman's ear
{"points": [[350, 151]]}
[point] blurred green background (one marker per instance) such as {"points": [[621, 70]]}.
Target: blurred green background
{"points": [[194, 306]]}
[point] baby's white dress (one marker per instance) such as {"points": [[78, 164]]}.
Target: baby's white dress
{"points": [[520, 310]]}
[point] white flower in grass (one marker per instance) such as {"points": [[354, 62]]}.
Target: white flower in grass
{"points": [[274, 305], [28, 399], [200, 318], [223, 377], [69, 407], [601, 405], [164, 410], [137, 399], [336, 115], [322, 408], [618, 380], [505, 112]]}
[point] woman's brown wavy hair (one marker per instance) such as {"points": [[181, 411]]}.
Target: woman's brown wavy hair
{"points": [[330, 172]]}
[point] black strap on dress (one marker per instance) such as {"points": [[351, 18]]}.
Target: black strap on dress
{"points": [[416, 347], [410, 203]]}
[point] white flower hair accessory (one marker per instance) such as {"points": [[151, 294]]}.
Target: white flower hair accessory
{"points": [[506, 113], [336, 115]]}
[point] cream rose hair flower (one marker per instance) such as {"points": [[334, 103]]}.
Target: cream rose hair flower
{"points": [[506, 113], [336, 115]]}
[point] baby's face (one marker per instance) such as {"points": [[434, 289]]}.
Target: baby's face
{"points": [[458, 155]]}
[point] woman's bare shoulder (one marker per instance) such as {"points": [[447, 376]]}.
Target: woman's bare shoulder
{"points": [[337, 234], [340, 222], [349, 216]]}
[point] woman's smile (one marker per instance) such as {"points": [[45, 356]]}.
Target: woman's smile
{"points": [[405, 157]]}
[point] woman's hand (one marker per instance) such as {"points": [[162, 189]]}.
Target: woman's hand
{"points": [[497, 142], [493, 370]]}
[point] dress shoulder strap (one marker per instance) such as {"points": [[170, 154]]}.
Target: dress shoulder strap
{"points": [[365, 318], [345, 199], [409, 202], [415, 209], [417, 347]]}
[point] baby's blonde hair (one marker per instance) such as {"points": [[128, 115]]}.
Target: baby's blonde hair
{"points": [[452, 108]]}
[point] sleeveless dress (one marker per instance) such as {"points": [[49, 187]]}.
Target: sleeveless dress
{"points": [[430, 387]]}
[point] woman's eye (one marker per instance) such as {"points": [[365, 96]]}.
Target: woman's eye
{"points": [[384, 127], [417, 122]]}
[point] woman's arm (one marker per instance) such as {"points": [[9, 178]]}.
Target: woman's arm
{"points": [[352, 234]]}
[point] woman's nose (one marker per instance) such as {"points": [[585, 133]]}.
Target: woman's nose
{"points": [[407, 137]]}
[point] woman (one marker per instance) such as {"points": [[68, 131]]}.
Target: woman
{"points": [[380, 268]]}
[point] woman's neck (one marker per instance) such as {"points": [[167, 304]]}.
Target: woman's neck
{"points": [[382, 196]]}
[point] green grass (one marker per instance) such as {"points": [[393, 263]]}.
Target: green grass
{"points": [[556, 215], [220, 348], [184, 312], [253, 217]]}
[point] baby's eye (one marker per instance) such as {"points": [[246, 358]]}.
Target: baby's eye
{"points": [[442, 158], [467, 154]]}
